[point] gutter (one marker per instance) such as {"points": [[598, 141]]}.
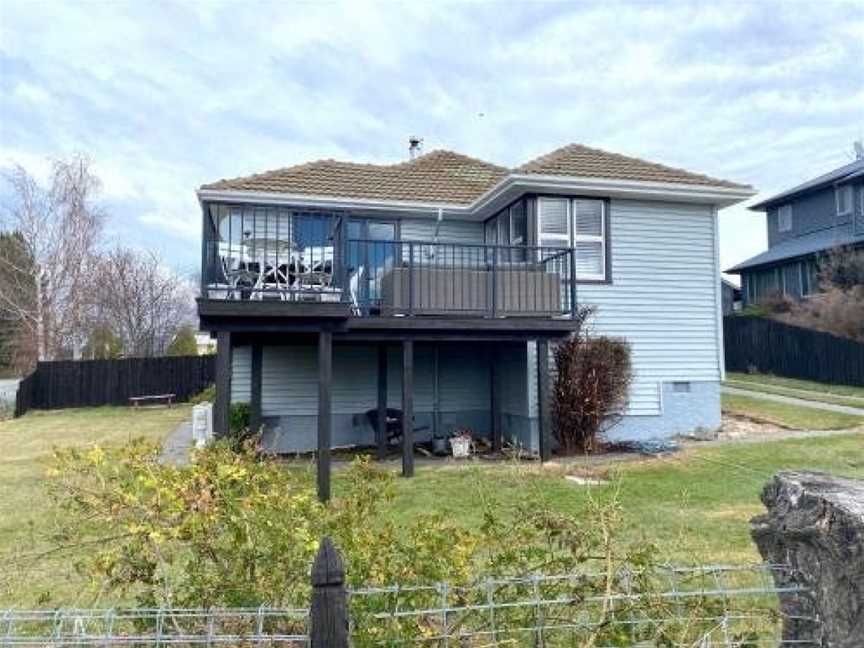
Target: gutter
{"points": [[718, 196]]}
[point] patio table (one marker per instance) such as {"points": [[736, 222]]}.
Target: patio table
{"points": [[270, 254]]}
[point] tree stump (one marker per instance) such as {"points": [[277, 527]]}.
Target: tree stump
{"points": [[815, 525]]}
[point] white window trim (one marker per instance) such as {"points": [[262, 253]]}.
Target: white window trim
{"points": [[561, 240], [587, 238], [572, 237], [847, 189], [780, 219]]}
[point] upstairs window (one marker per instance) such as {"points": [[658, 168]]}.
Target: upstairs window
{"points": [[588, 238], [843, 197], [784, 218], [581, 224]]}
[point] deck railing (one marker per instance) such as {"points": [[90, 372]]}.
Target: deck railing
{"points": [[386, 278]]}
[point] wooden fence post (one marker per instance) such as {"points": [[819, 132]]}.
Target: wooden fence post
{"points": [[328, 616]]}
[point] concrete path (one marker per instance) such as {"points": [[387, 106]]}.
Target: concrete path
{"points": [[789, 400], [178, 445], [752, 385]]}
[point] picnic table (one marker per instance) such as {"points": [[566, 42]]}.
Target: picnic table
{"points": [[136, 401]]}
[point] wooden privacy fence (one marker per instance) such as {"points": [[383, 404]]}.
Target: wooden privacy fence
{"points": [[88, 383], [769, 346]]}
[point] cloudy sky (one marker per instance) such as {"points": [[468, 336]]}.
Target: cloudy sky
{"points": [[166, 96]]}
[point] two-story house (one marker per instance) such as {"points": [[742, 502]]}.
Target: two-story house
{"points": [[803, 224], [435, 286]]}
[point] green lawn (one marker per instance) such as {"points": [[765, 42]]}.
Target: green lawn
{"points": [[790, 416], [804, 389], [27, 444], [695, 505]]}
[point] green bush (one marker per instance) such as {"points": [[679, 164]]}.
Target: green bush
{"points": [[238, 418], [233, 530], [207, 395]]}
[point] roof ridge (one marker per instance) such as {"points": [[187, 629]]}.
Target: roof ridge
{"points": [[559, 153], [440, 152]]}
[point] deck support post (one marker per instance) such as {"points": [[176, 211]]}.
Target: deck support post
{"points": [[495, 397], [381, 428], [408, 408], [543, 400], [222, 406], [325, 421], [255, 391]]}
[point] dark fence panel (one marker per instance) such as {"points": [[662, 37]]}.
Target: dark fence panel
{"points": [[769, 346], [24, 396], [87, 383]]}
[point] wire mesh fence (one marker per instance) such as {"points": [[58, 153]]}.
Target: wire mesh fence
{"points": [[283, 627], [696, 607], [704, 607]]}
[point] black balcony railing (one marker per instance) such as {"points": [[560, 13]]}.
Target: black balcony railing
{"points": [[425, 278], [253, 254]]}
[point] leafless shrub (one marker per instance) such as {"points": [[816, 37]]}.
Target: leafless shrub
{"points": [[590, 391], [46, 290], [59, 288], [839, 306], [144, 301]]}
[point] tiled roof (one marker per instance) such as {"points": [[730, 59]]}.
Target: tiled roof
{"points": [[583, 161], [448, 177], [438, 176], [825, 239]]}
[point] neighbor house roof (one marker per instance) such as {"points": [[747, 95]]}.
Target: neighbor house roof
{"points": [[842, 174], [452, 178], [820, 241]]}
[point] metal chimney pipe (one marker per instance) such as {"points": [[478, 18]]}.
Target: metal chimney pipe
{"points": [[415, 146]]}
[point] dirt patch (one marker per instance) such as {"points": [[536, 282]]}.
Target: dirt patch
{"points": [[742, 427]]}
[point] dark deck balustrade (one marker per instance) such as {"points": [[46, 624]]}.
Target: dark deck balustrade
{"points": [[392, 278]]}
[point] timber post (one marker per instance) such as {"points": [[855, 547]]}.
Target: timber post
{"points": [[328, 615]]}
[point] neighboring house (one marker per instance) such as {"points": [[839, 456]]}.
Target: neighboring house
{"points": [[434, 285], [804, 223], [731, 297]]}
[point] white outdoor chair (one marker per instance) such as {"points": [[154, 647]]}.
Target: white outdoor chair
{"points": [[354, 290]]}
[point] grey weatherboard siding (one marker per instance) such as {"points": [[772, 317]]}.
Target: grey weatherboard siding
{"points": [[664, 298], [289, 392], [816, 228]]}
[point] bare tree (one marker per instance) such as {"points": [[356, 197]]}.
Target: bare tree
{"points": [[142, 300], [60, 227]]}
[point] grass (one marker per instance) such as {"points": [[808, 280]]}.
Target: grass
{"points": [[804, 389], [24, 512], [795, 417], [694, 505]]}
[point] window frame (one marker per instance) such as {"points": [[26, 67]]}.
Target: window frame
{"points": [[590, 238], [781, 221], [850, 206], [570, 239]]}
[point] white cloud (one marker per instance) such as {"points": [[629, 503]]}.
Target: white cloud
{"points": [[167, 96]]}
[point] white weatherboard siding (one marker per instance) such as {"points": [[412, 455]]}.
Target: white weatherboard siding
{"points": [[662, 296], [661, 299]]}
